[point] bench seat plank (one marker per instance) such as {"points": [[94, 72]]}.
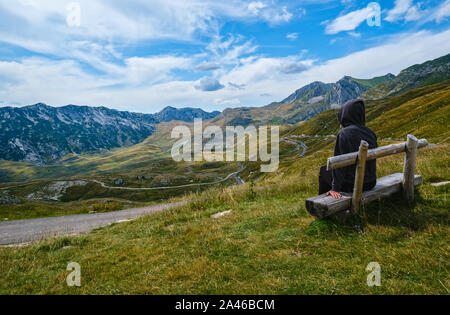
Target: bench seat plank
{"points": [[323, 205]]}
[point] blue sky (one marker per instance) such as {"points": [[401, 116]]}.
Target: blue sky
{"points": [[144, 55]]}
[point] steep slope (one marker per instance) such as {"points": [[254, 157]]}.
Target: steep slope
{"points": [[308, 92], [335, 95], [430, 72], [370, 83]]}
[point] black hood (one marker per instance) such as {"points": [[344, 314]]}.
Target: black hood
{"points": [[352, 113]]}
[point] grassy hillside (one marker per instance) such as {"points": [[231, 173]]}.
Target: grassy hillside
{"points": [[428, 73], [370, 83], [269, 244]]}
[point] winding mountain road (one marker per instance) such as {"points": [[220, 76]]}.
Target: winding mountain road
{"points": [[297, 144], [25, 231], [234, 174]]}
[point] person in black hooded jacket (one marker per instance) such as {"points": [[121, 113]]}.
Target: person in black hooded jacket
{"points": [[352, 117]]}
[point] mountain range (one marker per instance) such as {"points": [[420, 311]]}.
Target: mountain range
{"points": [[304, 104], [43, 134], [317, 97]]}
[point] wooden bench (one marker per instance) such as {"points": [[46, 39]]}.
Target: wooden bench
{"points": [[323, 205]]}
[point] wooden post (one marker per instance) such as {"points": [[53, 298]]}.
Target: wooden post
{"points": [[409, 168], [359, 176]]}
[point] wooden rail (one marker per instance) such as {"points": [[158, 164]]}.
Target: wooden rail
{"points": [[351, 158]]}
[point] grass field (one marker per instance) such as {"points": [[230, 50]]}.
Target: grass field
{"points": [[269, 244]]}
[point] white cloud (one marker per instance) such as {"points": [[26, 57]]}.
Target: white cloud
{"points": [[404, 10], [66, 82], [273, 14], [148, 83], [283, 16], [292, 68], [230, 50], [354, 34], [207, 67], [109, 25], [400, 9], [256, 6], [153, 69], [301, 12], [37, 79], [236, 86], [230, 102], [350, 21], [292, 36], [442, 12], [347, 2], [413, 14]]}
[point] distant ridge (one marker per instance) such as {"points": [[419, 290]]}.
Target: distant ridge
{"points": [[42, 134], [187, 114]]}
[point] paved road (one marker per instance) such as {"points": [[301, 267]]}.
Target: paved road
{"points": [[298, 145], [24, 231]]}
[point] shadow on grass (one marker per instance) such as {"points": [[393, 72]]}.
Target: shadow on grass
{"points": [[392, 212]]}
